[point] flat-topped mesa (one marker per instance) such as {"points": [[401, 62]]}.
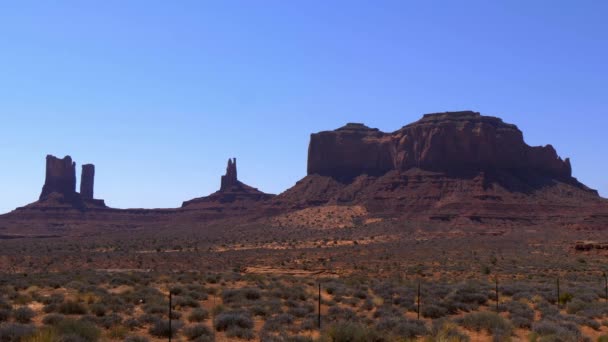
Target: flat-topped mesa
{"points": [[350, 151], [60, 177], [229, 180], [450, 141], [87, 181]]}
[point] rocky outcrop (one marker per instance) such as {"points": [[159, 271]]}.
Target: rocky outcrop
{"points": [[445, 165], [59, 190], [445, 142], [229, 180], [87, 181], [60, 177], [232, 195]]}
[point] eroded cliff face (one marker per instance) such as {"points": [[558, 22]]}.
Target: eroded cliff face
{"points": [[445, 142], [445, 165], [87, 181], [60, 177]]}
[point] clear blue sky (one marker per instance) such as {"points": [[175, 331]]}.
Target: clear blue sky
{"points": [[158, 94]]}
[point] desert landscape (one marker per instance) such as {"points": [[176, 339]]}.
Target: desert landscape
{"points": [[450, 228]]}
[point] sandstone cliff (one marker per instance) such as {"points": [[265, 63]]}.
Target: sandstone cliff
{"points": [[443, 165], [60, 177], [445, 142], [87, 181]]}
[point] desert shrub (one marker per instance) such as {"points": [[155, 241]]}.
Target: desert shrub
{"points": [[239, 332], [470, 293], [336, 313], [565, 298], [72, 308], [176, 290], [236, 295], [43, 335], [98, 309], [259, 310], [85, 331], [4, 305], [218, 309], [558, 331], [187, 301], [402, 327], [161, 328], [156, 308], [547, 310], [109, 320], [433, 311], [387, 311], [149, 319], [368, 305], [135, 338], [23, 315], [198, 332], [301, 311], [352, 332], [55, 298], [15, 332], [132, 323], [175, 315], [445, 331], [276, 323], [520, 314], [252, 294], [51, 307], [5, 314], [118, 332], [488, 321], [198, 315], [226, 320], [582, 321], [52, 319]]}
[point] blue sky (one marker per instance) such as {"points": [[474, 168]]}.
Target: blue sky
{"points": [[158, 94]]}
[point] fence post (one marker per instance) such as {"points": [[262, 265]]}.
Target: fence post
{"points": [[606, 286], [319, 313], [418, 310], [170, 314]]}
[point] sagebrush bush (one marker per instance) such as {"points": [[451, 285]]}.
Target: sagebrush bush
{"points": [[72, 308], [98, 309], [5, 314], [520, 314], [352, 332], [433, 311], [198, 332], [23, 315], [161, 328], [136, 338], [240, 332], [488, 321], [402, 327], [85, 331], [198, 315], [15, 332], [239, 319], [52, 319]]}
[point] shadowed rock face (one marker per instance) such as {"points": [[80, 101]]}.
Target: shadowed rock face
{"points": [[87, 181], [230, 178], [60, 177], [446, 142]]}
